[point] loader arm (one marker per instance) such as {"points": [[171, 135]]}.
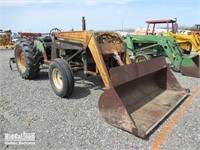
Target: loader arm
{"points": [[88, 39], [182, 40], [173, 51]]}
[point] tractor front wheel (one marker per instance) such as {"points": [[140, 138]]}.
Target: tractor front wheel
{"points": [[141, 57], [61, 77]]}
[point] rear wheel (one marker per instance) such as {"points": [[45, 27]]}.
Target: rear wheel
{"points": [[27, 59], [141, 57], [61, 77]]}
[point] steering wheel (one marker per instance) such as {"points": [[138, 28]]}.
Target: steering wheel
{"points": [[54, 30]]}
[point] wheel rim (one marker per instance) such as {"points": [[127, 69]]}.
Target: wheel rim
{"points": [[139, 59], [21, 60], [57, 78]]}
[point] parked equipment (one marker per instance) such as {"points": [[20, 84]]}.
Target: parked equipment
{"points": [[186, 42], [197, 30], [145, 47], [137, 97], [6, 39]]}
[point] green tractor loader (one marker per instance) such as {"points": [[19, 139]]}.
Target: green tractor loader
{"points": [[145, 47]]}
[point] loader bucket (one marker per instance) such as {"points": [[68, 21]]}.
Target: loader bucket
{"points": [[141, 96], [191, 66]]}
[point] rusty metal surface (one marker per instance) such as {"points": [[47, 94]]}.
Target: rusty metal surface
{"points": [[114, 112], [192, 70], [82, 36], [111, 47], [29, 34], [136, 70], [110, 42], [145, 93]]}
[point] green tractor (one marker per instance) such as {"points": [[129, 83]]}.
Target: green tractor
{"points": [[145, 47]]}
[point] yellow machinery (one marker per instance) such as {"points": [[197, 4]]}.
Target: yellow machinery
{"points": [[6, 39], [187, 42]]}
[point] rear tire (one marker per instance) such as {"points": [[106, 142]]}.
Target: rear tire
{"points": [[27, 59], [142, 57], [61, 77]]}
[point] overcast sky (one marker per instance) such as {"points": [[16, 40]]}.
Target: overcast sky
{"points": [[43, 15]]}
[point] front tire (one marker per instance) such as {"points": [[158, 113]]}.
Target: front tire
{"points": [[142, 57], [61, 78], [27, 59]]}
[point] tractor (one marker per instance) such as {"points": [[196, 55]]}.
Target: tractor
{"points": [[186, 42], [138, 96], [145, 47]]}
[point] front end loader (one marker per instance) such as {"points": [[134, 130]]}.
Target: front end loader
{"points": [[138, 96], [145, 47]]}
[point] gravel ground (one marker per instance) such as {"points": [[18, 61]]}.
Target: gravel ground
{"points": [[75, 123]]}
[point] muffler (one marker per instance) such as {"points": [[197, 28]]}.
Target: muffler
{"points": [[141, 96]]}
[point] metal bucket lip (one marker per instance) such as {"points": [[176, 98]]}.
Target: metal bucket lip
{"points": [[131, 127], [168, 113], [135, 70]]}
